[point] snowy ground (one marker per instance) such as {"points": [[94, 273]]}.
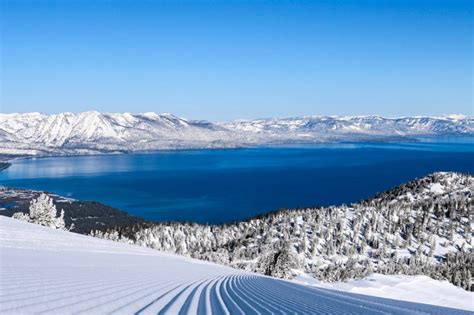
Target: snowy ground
{"points": [[420, 289], [56, 272]]}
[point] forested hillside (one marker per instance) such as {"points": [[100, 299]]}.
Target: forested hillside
{"points": [[421, 227]]}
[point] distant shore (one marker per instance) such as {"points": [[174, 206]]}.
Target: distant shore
{"points": [[6, 158]]}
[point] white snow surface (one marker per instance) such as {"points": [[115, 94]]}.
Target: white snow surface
{"points": [[419, 289], [437, 188], [49, 271]]}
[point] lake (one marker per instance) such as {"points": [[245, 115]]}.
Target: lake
{"points": [[218, 186]]}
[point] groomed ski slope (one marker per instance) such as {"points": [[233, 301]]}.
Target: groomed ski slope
{"points": [[56, 272]]}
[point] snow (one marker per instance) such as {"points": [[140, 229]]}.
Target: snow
{"points": [[456, 116], [419, 289], [437, 188], [59, 272]]}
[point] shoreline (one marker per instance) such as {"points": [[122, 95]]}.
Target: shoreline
{"points": [[6, 158]]}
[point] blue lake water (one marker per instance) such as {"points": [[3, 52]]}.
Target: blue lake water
{"points": [[226, 185]]}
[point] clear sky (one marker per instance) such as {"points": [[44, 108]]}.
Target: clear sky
{"points": [[224, 60]]}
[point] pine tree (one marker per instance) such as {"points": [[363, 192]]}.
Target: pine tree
{"points": [[432, 246], [21, 216], [43, 212]]}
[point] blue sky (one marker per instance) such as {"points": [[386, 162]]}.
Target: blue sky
{"points": [[223, 60]]}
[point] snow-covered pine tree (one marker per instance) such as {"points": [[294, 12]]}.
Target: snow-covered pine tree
{"points": [[43, 212], [21, 216]]}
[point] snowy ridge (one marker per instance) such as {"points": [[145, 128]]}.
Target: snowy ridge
{"points": [[369, 125], [92, 132], [57, 272]]}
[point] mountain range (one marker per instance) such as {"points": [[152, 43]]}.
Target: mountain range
{"points": [[94, 132]]}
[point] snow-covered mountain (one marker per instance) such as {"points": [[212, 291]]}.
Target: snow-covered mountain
{"points": [[49, 271], [350, 127], [92, 132], [36, 133]]}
